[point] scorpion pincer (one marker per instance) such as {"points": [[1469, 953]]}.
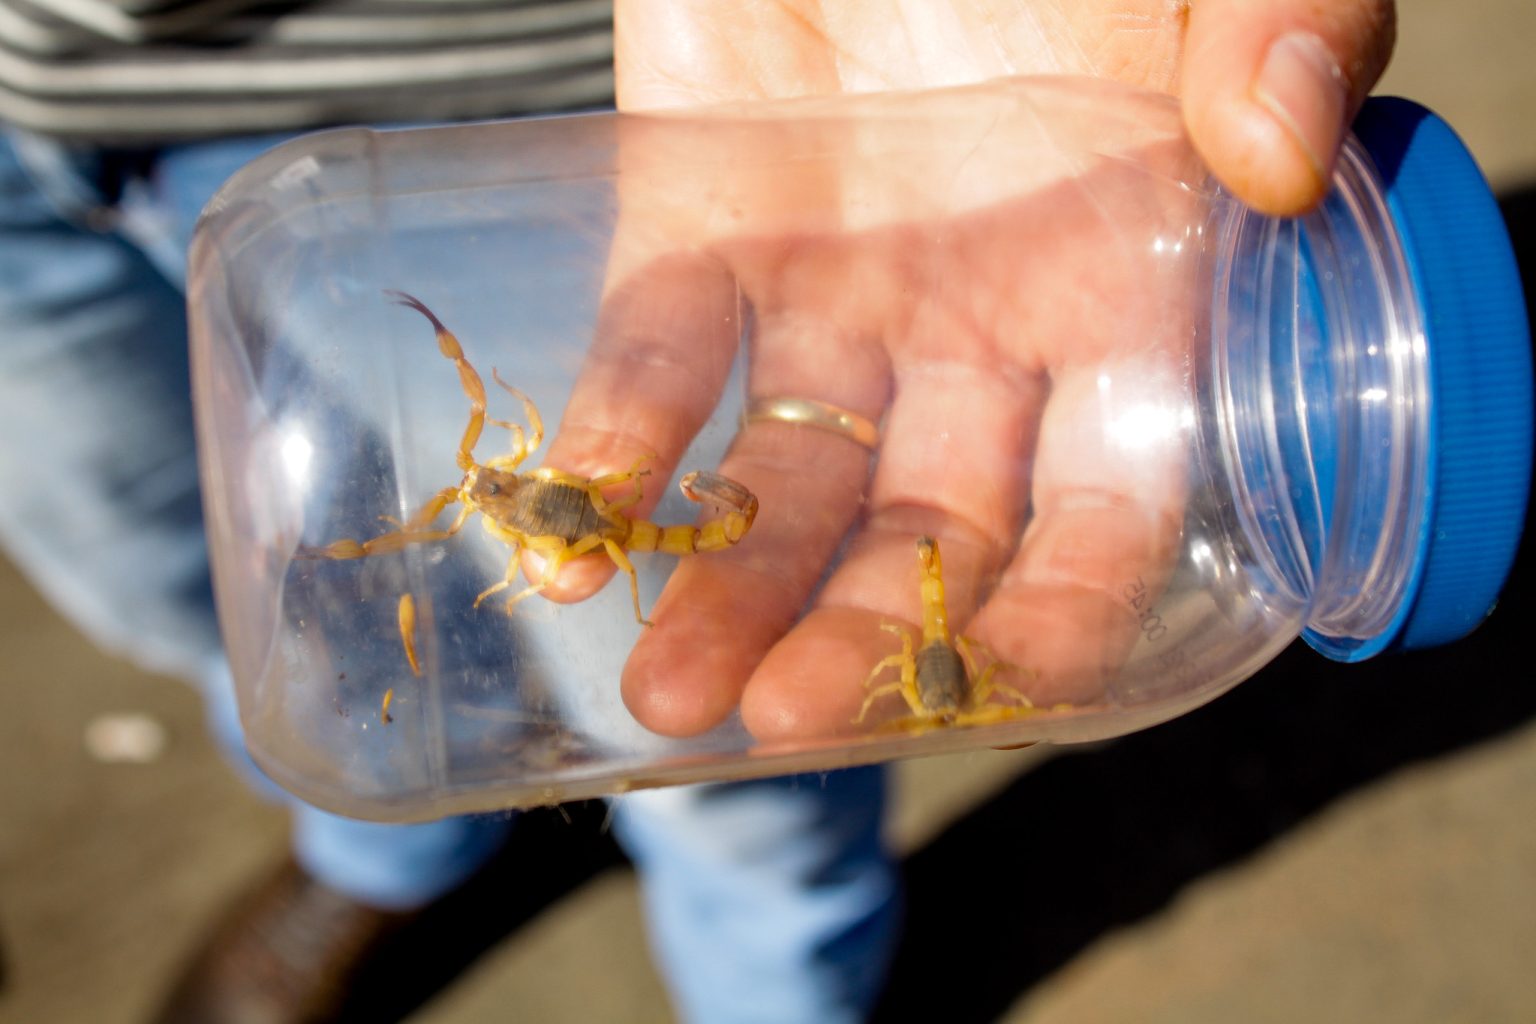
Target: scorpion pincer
{"points": [[557, 515]]}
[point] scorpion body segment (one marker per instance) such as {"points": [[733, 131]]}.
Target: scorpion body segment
{"points": [[942, 681], [534, 506], [557, 515], [939, 682]]}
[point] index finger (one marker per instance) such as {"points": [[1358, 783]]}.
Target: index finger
{"points": [[666, 337], [671, 318]]}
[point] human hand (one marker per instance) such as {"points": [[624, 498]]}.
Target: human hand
{"points": [[1267, 86], [995, 355]]}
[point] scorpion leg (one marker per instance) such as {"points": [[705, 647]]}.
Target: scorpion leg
{"points": [[622, 561], [521, 447], [994, 714], [906, 685], [429, 511], [535, 421], [985, 683], [596, 486], [508, 576], [396, 540], [878, 692], [521, 444], [519, 452], [556, 553]]}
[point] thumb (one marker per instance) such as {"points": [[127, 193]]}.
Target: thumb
{"points": [[1269, 87]]}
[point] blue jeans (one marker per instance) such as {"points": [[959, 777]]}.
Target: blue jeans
{"points": [[771, 900]]}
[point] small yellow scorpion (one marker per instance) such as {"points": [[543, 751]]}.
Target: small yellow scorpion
{"points": [[940, 683], [552, 513]]}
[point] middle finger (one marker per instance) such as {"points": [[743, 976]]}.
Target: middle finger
{"points": [[953, 466], [720, 615]]}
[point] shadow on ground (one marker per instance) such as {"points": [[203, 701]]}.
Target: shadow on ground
{"points": [[556, 851], [1088, 842]]}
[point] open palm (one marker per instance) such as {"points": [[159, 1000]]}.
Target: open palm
{"points": [[953, 269]]}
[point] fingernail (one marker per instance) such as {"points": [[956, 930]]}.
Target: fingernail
{"points": [[1302, 86]]}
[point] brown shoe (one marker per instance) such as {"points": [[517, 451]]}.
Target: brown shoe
{"points": [[295, 952], [288, 954]]}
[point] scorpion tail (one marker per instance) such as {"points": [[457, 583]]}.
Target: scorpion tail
{"points": [[469, 379], [715, 535]]}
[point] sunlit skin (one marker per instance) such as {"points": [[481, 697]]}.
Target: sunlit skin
{"points": [[993, 379]]}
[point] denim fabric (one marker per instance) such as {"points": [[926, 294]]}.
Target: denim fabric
{"points": [[768, 901], [98, 481]]}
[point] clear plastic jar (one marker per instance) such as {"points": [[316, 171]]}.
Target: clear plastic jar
{"points": [[1156, 435]]}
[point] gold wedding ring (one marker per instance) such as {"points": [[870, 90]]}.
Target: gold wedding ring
{"points": [[808, 412]]}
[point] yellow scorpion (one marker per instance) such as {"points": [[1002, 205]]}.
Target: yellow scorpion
{"points": [[552, 513], [940, 683]]}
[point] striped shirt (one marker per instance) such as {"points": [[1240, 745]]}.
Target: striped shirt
{"points": [[156, 70]]}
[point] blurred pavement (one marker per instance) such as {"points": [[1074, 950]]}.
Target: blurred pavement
{"points": [[1327, 843]]}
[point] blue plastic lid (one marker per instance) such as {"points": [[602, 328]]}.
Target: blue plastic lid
{"points": [[1479, 358]]}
